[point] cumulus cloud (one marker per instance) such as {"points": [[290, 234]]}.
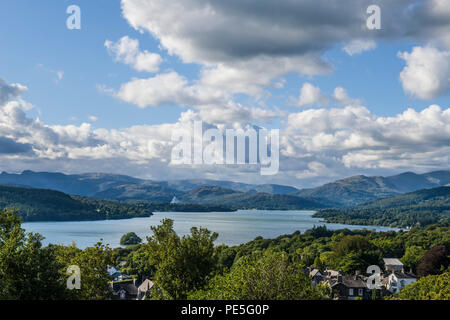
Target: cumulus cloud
{"points": [[247, 31], [427, 72], [341, 97], [358, 46], [10, 91], [311, 96], [356, 138], [316, 144], [126, 50], [167, 88]]}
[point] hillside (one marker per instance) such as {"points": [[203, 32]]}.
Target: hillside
{"points": [[419, 208], [149, 192], [361, 189], [48, 205], [240, 200]]}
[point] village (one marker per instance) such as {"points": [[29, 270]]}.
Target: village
{"points": [[352, 287], [342, 287]]}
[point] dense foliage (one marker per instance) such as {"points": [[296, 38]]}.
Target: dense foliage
{"points": [[192, 267], [435, 287], [49, 205], [420, 208], [273, 276], [130, 238], [29, 271]]}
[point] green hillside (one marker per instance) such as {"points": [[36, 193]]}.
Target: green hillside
{"points": [[49, 205], [419, 208]]}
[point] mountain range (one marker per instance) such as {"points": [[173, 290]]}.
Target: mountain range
{"points": [[345, 192]]}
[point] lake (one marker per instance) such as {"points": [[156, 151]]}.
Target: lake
{"points": [[233, 227]]}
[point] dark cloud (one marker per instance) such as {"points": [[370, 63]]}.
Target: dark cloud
{"points": [[9, 147]]}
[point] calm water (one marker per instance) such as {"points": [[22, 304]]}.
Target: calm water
{"points": [[233, 227]]}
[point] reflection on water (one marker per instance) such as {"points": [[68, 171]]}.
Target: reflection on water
{"points": [[233, 227]]}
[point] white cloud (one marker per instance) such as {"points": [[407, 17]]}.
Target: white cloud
{"points": [[340, 96], [93, 118], [316, 144], [10, 91], [311, 96], [427, 72], [126, 50], [167, 88], [358, 46], [353, 137]]}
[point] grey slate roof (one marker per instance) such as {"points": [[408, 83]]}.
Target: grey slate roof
{"points": [[392, 262]]}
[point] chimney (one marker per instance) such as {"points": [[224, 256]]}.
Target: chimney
{"points": [[339, 278]]}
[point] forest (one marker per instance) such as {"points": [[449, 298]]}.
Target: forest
{"points": [[419, 208]]}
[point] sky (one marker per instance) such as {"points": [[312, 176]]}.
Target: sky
{"points": [[107, 97]]}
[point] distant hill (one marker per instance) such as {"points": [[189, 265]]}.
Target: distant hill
{"points": [[345, 192], [149, 192], [212, 195], [186, 185], [80, 184], [100, 185], [360, 189], [419, 208], [48, 205]]}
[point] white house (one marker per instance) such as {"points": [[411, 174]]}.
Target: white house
{"points": [[398, 280]]}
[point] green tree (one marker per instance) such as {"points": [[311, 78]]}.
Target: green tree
{"points": [[27, 271], [181, 264], [93, 263], [412, 256], [270, 277], [130, 238]]}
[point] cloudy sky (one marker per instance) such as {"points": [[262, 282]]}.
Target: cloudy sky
{"points": [[347, 100]]}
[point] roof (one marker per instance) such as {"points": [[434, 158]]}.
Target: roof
{"points": [[145, 286], [392, 262], [315, 272], [405, 275], [130, 288], [350, 282]]}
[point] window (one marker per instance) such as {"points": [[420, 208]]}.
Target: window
{"points": [[350, 292], [360, 292]]}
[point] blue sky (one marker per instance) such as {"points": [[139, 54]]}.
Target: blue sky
{"points": [[37, 48]]}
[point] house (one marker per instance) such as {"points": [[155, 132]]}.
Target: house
{"points": [[124, 290], [396, 281], [316, 277], [392, 265], [144, 289], [349, 288]]}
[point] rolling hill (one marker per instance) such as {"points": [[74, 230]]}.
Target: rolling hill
{"points": [[360, 189], [48, 205], [212, 195], [419, 208]]}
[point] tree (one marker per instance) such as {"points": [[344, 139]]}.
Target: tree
{"points": [[130, 238], [180, 264], [27, 271], [271, 277], [412, 256], [93, 263], [433, 262]]}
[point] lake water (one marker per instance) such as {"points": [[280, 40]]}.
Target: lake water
{"points": [[233, 227]]}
